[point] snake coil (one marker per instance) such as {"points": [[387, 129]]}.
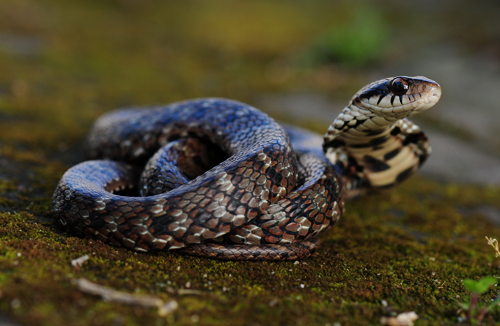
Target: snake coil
{"points": [[220, 179]]}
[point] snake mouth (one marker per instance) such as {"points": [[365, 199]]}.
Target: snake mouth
{"points": [[399, 97]]}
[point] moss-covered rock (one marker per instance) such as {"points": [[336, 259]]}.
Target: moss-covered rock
{"points": [[405, 250]]}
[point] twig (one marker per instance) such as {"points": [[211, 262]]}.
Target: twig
{"points": [[494, 243], [110, 295]]}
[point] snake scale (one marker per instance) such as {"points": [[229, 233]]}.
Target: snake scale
{"points": [[220, 179]]}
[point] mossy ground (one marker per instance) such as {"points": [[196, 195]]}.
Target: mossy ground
{"points": [[66, 62], [410, 247]]}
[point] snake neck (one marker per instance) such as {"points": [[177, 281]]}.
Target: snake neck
{"points": [[374, 152]]}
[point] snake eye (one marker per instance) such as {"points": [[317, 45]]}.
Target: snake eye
{"points": [[399, 86]]}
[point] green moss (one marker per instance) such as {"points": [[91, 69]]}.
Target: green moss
{"points": [[369, 257], [372, 255]]}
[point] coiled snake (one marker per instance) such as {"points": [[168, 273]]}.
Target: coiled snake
{"points": [[224, 180]]}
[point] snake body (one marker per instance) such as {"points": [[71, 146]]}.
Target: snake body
{"points": [[221, 179]]}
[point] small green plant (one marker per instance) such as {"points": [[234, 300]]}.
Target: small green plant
{"points": [[474, 313], [357, 42]]}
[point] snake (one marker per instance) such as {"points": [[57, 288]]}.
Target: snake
{"points": [[217, 178]]}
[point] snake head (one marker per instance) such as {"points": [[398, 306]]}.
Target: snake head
{"points": [[399, 97]]}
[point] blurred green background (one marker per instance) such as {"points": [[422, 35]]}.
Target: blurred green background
{"points": [[65, 62]]}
